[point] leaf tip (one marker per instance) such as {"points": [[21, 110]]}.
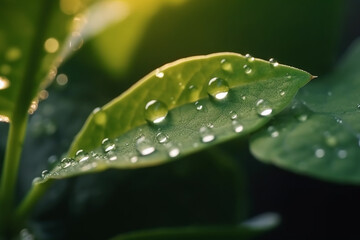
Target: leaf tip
{"points": [[313, 77]]}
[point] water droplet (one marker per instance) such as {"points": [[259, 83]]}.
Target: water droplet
{"points": [[4, 119], [226, 66], [233, 115], [273, 62], [210, 125], [66, 162], [155, 111], [273, 132], [13, 54], [33, 106], [81, 156], [342, 153], [338, 120], [162, 137], [302, 117], [159, 74], [358, 106], [76, 41], [174, 152], [134, 159], [51, 45], [111, 155], [247, 69], [263, 108], [44, 173], [243, 98], [319, 153], [107, 145], [206, 134], [62, 79], [249, 58], [36, 180], [144, 146], [4, 83], [282, 93], [237, 126], [218, 88], [200, 107]]}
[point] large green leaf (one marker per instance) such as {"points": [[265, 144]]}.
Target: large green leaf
{"points": [[35, 38], [320, 134], [247, 230], [252, 91]]}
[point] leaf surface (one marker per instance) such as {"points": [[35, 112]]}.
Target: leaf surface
{"points": [[119, 136], [320, 134]]}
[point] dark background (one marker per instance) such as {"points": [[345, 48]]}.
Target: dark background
{"points": [[312, 35]]}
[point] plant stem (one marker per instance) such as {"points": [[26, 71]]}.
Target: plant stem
{"points": [[25, 207], [10, 170]]}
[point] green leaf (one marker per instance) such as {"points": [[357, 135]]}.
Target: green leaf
{"points": [[256, 90], [35, 38], [247, 230], [320, 134]]}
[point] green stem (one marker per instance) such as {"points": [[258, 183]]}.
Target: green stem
{"points": [[23, 211], [10, 170]]}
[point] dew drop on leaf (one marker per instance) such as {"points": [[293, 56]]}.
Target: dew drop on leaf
{"points": [[174, 152], [134, 159], [263, 108], [226, 65], [302, 117], [107, 145], [233, 115], [4, 83], [144, 146], [62, 79], [162, 137], [247, 69], [218, 88], [273, 131], [66, 162], [33, 106], [155, 111], [44, 173], [206, 134], [249, 58], [273, 62], [199, 106], [81, 156], [111, 155], [237, 126], [159, 74]]}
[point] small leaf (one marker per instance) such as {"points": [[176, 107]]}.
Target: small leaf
{"points": [[320, 134], [36, 38], [181, 108]]}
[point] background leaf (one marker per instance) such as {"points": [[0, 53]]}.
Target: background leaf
{"points": [[320, 134], [254, 90], [35, 39]]}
